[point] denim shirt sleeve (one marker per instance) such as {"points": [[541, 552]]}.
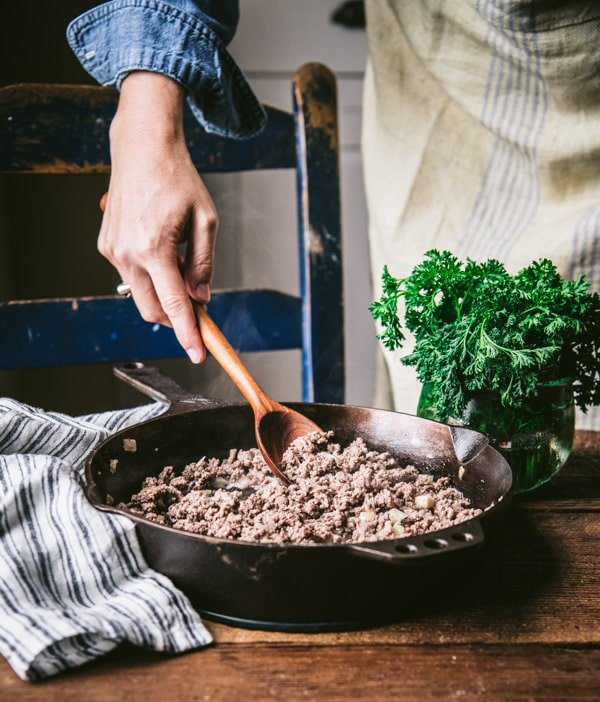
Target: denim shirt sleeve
{"points": [[183, 39]]}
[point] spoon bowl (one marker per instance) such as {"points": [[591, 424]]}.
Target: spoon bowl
{"points": [[276, 430], [275, 425]]}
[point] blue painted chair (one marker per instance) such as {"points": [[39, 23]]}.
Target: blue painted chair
{"points": [[64, 129]]}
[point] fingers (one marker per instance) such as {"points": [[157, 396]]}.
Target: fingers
{"points": [[174, 300], [200, 254], [145, 297], [157, 286]]}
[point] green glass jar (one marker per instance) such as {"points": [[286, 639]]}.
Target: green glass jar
{"points": [[536, 439]]}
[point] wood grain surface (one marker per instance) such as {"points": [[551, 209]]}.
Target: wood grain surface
{"points": [[526, 628], [269, 672]]}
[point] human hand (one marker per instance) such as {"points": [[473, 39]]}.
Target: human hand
{"points": [[157, 200]]}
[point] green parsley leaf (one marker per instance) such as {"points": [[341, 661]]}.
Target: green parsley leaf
{"points": [[477, 327]]}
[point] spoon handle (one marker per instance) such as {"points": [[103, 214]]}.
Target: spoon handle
{"points": [[228, 359]]}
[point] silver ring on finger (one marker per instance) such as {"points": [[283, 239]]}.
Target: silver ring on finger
{"points": [[124, 289]]}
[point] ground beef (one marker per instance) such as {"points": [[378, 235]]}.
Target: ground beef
{"points": [[336, 495]]}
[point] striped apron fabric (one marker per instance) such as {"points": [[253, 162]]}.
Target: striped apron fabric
{"points": [[73, 581], [481, 135]]}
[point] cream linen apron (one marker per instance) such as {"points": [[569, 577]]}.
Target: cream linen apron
{"points": [[481, 135]]}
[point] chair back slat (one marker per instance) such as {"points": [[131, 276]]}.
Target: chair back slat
{"points": [[63, 129], [77, 331]]}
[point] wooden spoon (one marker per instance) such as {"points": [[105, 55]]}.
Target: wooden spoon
{"points": [[275, 425]]}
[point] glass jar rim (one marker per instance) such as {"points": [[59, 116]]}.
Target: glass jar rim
{"points": [[558, 382]]}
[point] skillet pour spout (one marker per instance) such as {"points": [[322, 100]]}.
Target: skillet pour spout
{"points": [[468, 444], [276, 426], [302, 587]]}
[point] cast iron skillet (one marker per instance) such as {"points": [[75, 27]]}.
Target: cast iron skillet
{"points": [[294, 587]]}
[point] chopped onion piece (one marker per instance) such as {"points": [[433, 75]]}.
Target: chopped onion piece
{"points": [[130, 445], [396, 515], [424, 501], [367, 517], [241, 483]]}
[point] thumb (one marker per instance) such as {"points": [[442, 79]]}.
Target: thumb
{"points": [[199, 256]]}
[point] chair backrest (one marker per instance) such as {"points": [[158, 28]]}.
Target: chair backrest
{"points": [[64, 129]]}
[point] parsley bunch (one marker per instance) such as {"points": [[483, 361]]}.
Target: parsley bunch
{"points": [[479, 328]]}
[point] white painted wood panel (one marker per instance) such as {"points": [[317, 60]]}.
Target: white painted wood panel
{"points": [[257, 247], [280, 35], [257, 244], [360, 341]]}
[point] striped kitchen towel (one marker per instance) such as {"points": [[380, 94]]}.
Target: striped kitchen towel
{"points": [[73, 581]]}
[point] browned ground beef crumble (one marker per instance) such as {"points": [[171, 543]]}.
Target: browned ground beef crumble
{"points": [[337, 495]]}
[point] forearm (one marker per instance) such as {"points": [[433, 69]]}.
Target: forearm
{"points": [[150, 106], [182, 39]]}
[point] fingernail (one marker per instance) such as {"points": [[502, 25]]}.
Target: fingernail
{"points": [[194, 355], [203, 292]]}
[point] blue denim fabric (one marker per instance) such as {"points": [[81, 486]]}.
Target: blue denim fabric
{"points": [[183, 39]]}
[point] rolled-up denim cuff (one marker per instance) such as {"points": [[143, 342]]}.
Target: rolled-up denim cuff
{"points": [[121, 36]]}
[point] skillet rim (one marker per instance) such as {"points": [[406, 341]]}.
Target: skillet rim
{"points": [[176, 410]]}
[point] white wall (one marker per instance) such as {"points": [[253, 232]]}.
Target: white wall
{"points": [[257, 240]]}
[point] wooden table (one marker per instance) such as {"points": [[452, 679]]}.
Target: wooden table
{"points": [[528, 628]]}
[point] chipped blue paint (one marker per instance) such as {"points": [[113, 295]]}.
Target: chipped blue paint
{"points": [[253, 320]]}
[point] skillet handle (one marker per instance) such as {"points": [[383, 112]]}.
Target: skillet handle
{"points": [[466, 536], [154, 383]]}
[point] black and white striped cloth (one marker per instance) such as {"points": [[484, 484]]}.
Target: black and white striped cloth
{"points": [[73, 581]]}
